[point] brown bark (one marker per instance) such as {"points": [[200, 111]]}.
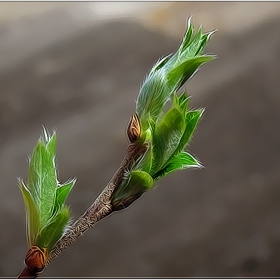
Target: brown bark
{"points": [[102, 206], [27, 273]]}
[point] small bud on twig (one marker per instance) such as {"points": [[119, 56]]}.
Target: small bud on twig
{"points": [[133, 129], [35, 259]]}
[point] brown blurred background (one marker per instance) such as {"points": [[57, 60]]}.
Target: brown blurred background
{"points": [[77, 68]]}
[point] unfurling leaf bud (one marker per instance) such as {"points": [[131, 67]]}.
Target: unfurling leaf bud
{"points": [[131, 189]]}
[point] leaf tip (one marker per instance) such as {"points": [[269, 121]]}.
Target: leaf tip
{"points": [[189, 21]]}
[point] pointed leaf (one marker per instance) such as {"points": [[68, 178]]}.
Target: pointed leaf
{"points": [[167, 136], [183, 98], [170, 73], [146, 162], [180, 161], [160, 64], [204, 40], [153, 95], [32, 215], [187, 37], [193, 47], [53, 231], [34, 167], [185, 70], [192, 119], [184, 101], [62, 193], [51, 145], [42, 180]]}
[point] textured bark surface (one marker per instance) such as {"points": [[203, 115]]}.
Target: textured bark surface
{"points": [[102, 206]]}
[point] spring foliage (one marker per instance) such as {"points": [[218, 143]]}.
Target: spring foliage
{"points": [[167, 132], [44, 197]]}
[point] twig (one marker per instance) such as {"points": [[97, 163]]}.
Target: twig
{"points": [[36, 259], [102, 206], [27, 273]]}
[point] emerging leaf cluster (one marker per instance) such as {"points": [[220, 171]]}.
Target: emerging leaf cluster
{"points": [[44, 197], [167, 133]]}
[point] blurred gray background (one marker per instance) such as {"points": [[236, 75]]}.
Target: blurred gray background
{"points": [[77, 68]]}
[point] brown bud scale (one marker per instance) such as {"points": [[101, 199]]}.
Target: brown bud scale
{"points": [[35, 259], [134, 129]]}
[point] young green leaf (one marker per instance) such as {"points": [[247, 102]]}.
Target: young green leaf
{"points": [[204, 39], [193, 45], [62, 193], [51, 145], [184, 101], [32, 215], [152, 97], [34, 170], [137, 183], [50, 234], [44, 182], [185, 70], [193, 48], [159, 64], [170, 73], [180, 161], [192, 119], [44, 200], [187, 37], [167, 136], [146, 163]]}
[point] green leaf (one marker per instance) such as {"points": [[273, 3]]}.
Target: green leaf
{"points": [[187, 37], [170, 73], [34, 168], [53, 231], [203, 42], [146, 162], [32, 215], [138, 182], [175, 101], [192, 49], [62, 193], [180, 161], [192, 119], [159, 64], [44, 197], [51, 146], [194, 45], [42, 180], [167, 136], [184, 101], [152, 97], [185, 70]]}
